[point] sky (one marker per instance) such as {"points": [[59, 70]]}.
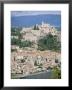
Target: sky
{"points": [[26, 13]]}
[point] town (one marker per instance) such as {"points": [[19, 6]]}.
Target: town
{"points": [[35, 49]]}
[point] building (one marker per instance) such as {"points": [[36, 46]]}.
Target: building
{"points": [[30, 37], [25, 61]]}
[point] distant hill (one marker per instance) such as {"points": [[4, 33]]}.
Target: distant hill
{"points": [[26, 21]]}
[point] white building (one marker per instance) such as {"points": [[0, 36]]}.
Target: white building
{"points": [[47, 28]]}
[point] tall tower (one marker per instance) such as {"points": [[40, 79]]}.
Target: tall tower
{"points": [[42, 23]]}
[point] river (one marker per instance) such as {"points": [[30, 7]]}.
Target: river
{"points": [[41, 75]]}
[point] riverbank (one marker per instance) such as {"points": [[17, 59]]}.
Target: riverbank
{"points": [[37, 75]]}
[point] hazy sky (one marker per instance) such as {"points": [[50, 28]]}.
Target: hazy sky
{"points": [[26, 13]]}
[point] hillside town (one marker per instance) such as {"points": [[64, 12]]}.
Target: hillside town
{"points": [[31, 58]]}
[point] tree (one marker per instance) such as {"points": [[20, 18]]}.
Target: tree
{"points": [[15, 41], [21, 44], [56, 73], [49, 42], [15, 31], [35, 63], [36, 27], [25, 44]]}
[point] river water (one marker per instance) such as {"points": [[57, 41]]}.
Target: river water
{"points": [[41, 75]]}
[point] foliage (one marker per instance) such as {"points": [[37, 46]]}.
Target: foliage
{"points": [[20, 43], [56, 60], [15, 41], [35, 63], [13, 50], [40, 65], [22, 60], [49, 42], [15, 31], [36, 27], [56, 73], [25, 44]]}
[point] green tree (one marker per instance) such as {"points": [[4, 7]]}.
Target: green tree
{"points": [[56, 73], [49, 42], [25, 44], [36, 27], [15, 41], [15, 31], [20, 43]]}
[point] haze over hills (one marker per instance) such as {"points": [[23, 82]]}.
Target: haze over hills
{"points": [[26, 21]]}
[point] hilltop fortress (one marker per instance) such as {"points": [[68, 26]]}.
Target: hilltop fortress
{"points": [[34, 35]]}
